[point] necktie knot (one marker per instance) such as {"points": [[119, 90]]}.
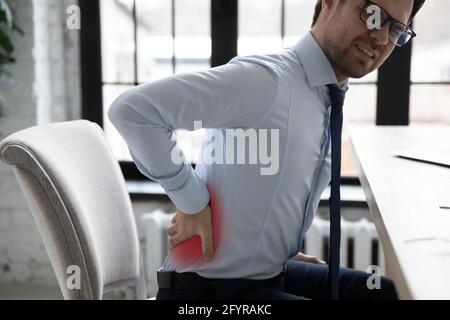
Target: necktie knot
{"points": [[337, 96]]}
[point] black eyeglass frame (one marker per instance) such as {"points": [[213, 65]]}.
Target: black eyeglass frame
{"points": [[390, 19]]}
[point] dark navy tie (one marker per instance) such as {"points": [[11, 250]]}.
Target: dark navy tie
{"points": [[337, 96]]}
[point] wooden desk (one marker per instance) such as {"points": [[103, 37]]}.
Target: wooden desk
{"points": [[402, 198]]}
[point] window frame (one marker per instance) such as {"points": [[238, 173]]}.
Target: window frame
{"points": [[393, 87], [224, 33]]}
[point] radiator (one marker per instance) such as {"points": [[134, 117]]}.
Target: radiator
{"points": [[360, 247], [153, 227]]}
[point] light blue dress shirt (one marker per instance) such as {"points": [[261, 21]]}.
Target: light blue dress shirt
{"points": [[260, 219]]}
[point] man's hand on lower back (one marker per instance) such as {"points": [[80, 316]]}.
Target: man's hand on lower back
{"points": [[185, 226]]}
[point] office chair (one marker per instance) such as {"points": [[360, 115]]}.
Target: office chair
{"points": [[76, 193]]}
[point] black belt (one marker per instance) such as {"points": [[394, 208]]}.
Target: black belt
{"points": [[182, 281], [191, 281]]}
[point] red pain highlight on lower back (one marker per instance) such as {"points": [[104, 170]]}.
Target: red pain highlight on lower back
{"points": [[189, 252]]}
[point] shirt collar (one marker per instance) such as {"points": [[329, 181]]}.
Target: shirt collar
{"points": [[315, 63]]}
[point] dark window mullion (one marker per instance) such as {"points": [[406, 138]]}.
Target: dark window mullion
{"points": [[224, 31], [394, 85], [91, 62]]}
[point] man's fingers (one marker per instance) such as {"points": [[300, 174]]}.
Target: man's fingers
{"points": [[172, 230], [316, 260], [207, 244], [176, 239], [307, 258], [319, 261]]}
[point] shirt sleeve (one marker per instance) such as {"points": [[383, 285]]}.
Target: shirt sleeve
{"points": [[235, 95]]}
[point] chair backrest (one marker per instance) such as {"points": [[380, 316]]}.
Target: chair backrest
{"points": [[76, 193]]}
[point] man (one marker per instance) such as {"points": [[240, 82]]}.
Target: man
{"points": [[237, 232]]}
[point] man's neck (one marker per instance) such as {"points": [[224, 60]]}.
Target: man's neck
{"points": [[341, 79]]}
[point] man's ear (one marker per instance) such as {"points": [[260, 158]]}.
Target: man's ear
{"points": [[328, 6]]}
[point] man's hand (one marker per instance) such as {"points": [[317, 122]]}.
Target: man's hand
{"points": [[310, 259], [185, 226]]}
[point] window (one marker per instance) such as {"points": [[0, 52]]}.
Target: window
{"points": [[145, 40], [261, 35], [282, 23], [298, 17], [430, 72]]}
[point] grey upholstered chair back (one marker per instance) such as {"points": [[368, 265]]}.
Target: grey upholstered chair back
{"points": [[76, 192]]}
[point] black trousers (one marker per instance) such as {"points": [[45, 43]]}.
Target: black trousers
{"points": [[300, 281]]}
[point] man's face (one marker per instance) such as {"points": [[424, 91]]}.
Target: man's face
{"points": [[346, 37]]}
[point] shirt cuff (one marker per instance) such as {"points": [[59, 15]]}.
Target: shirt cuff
{"points": [[186, 190], [192, 196]]}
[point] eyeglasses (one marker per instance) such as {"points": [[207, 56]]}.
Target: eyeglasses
{"points": [[399, 33]]}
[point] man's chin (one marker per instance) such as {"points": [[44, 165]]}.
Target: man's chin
{"points": [[360, 73], [356, 69]]}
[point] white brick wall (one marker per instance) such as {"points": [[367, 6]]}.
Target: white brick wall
{"points": [[57, 62], [17, 236], [45, 88]]}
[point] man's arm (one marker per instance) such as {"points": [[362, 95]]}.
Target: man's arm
{"points": [[231, 96]]}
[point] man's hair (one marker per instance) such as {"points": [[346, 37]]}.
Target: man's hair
{"points": [[417, 5]]}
